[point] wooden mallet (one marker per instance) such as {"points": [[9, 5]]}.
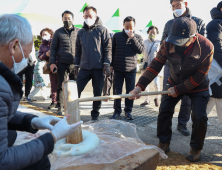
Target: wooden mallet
{"points": [[71, 104]]}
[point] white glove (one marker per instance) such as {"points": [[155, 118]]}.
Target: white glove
{"points": [[62, 129], [44, 122]]}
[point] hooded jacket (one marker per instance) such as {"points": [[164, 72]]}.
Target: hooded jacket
{"points": [[93, 47], [214, 34], [26, 154], [201, 28]]}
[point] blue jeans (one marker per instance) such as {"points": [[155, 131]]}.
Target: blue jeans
{"points": [[130, 85], [185, 107]]}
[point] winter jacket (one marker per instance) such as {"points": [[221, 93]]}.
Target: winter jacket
{"points": [[42, 51], [201, 28], [214, 34], [187, 76], [19, 157], [93, 46], [151, 49], [125, 50], [63, 45]]}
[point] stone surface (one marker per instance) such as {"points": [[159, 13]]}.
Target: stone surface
{"points": [[143, 160]]}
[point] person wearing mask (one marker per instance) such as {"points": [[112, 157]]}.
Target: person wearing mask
{"points": [[214, 34], [16, 42], [28, 72], [180, 9], [63, 47], [125, 47], [44, 54], [93, 56], [152, 46], [191, 55]]}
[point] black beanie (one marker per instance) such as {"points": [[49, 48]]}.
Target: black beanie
{"points": [[219, 6]]}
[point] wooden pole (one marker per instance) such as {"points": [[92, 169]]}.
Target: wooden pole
{"points": [[121, 96], [71, 105]]}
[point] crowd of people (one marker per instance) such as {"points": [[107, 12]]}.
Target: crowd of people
{"points": [[189, 50]]}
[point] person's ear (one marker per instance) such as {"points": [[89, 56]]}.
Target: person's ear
{"points": [[186, 4], [14, 46], [221, 9]]}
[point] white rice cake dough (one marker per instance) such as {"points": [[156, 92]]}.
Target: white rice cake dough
{"points": [[90, 142]]}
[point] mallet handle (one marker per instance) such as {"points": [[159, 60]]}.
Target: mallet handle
{"points": [[120, 96]]}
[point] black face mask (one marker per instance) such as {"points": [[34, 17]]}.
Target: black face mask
{"points": [[67, 23], [180, 49]]}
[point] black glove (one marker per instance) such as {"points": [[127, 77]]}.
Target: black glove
{"points": [[76, 70], [106, 70]]}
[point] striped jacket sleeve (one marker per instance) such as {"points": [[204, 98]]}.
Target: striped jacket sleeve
{"points": [[154, 68], [197, 78]]}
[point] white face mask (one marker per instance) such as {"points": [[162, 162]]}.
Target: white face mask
{"points": [[45, 37], [90, 22], [126, 31], [17, 67], [179, 12]]}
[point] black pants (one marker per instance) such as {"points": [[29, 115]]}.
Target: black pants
{"points": [[63, 71], [199, 102], [97, 77], [28, 71], [109, 81], [130, 85], [43, 164], [185, 107]]}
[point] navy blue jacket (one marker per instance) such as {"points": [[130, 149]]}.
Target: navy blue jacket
{"points": [[214, 34], [125, 50]]}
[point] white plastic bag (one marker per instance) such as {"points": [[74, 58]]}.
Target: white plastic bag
{"points": [[214, 74]]}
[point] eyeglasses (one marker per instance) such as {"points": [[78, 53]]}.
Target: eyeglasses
{"points": [[177, 6]]}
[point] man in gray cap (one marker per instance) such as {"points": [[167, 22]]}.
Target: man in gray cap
{"points": [[180, 9], [190, 55]]}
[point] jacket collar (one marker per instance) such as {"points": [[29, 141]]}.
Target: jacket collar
{"points": [[188, 14], [13, 79], [196, 51], [97, 23], [67, 30]]}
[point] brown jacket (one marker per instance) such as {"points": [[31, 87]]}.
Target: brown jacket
{"points": [[187, 76]]}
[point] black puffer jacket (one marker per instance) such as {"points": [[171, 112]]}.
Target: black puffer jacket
{"points": [[201, 28], [93, 47], [63, 46], [125, 50], [214, 34], [21, 156]]}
